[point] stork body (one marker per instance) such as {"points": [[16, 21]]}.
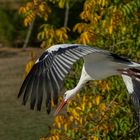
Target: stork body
{"points": [[98, 66], [45, 80]]}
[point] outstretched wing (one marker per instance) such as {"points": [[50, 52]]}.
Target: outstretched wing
{"points": [[47, 75]]}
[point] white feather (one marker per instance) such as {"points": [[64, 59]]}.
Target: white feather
{"points": [[56, 47], [128, 82]]}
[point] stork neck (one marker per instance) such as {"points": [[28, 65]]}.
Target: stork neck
{"points": [[83, 79], [79, 86]]}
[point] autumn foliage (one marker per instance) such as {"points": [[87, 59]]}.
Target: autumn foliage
{"points": [[101, 110]]}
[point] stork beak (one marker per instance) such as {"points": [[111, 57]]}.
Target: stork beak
{"points": [[63, 103]]}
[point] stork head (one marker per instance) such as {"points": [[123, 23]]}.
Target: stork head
{"points": [[67, 96]]}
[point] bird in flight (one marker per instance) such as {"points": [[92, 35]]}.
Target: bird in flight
{"points": [[46, 78]]}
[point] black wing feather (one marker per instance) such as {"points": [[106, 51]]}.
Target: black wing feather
{"points": [[136, 98], [28, 89], [35, 89], [136, 85], [119, 59], [34, 92], [40, 92], [49, 93], [41, 88], [25, 82]]}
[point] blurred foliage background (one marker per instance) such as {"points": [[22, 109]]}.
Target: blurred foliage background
{"points": [[11, 31], [102, 109]]}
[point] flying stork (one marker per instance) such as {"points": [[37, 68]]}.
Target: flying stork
{"points": [[46, 78]]}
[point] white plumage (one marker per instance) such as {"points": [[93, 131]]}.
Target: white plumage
{"points": [[46, 78], [129, 84]]}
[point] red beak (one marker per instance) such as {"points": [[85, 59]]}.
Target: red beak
{"points": [[60, 107]]}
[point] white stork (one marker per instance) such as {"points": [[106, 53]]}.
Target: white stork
{"points": [[45, 80]]}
